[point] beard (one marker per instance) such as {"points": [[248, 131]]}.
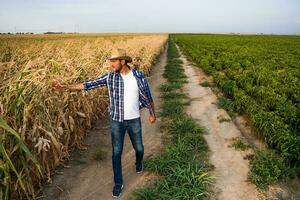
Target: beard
{"points": [[118, 70]]}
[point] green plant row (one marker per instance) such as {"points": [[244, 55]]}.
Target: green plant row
{"points": [[183, 167], [260, 76]]}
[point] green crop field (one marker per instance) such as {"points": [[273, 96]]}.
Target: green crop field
{"points": [[259, 76]]}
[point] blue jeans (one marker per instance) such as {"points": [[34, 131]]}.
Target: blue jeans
{"points": [[118, 129]]}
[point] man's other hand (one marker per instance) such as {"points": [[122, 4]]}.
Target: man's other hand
{"points": [[152, 119]]}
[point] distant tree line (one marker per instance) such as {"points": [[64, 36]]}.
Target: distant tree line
{"points": [[29, 33], [51, 32], [18, 33]]}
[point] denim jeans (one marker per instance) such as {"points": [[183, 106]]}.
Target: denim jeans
{"points": [[118, 129]]}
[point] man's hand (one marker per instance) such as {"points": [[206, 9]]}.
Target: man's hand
{"points": [[57, 85], [152, 119]]}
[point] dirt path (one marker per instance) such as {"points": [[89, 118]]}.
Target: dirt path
{"points": [[89, 179], [230, 167]]}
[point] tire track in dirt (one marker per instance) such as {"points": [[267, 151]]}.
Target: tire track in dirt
{"points": [[231, 168]]}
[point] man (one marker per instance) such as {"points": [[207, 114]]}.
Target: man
{"points": [[128, 91]]}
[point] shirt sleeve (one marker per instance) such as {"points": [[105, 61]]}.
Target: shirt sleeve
{"points": [[98, 82], [149, 96], [148, 90]]}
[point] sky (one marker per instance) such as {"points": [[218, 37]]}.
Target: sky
{"points": [[191, 16]]}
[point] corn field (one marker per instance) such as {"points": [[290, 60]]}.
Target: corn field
{"points": [[40, 126]]}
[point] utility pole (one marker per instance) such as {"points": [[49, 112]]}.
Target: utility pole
{"points": [[76, 28]]}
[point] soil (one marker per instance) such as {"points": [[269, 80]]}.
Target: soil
{"points": [[230, 167]]}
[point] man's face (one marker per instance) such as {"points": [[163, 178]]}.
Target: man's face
{"points": [[116, 65]]}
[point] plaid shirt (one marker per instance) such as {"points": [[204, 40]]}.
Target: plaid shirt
{"points": [[115, 85]]}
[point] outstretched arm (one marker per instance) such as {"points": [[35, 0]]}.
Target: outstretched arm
{"points": [[86, 85], [58, 85], [98, 82]]}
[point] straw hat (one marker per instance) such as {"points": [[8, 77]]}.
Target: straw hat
{"points": [[120, 54]]}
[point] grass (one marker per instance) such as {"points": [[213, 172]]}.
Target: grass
{"points": [[227, 105], [183, 166], [206, 84], [223, 119], [172, 108], [170, 87], [239, 144], [173, 95], [100, 154]]}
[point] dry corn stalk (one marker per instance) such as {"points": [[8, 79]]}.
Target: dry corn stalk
{"points": [[50, 122]]}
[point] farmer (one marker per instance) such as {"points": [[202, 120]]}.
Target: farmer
{"points": [[128, 91]]}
